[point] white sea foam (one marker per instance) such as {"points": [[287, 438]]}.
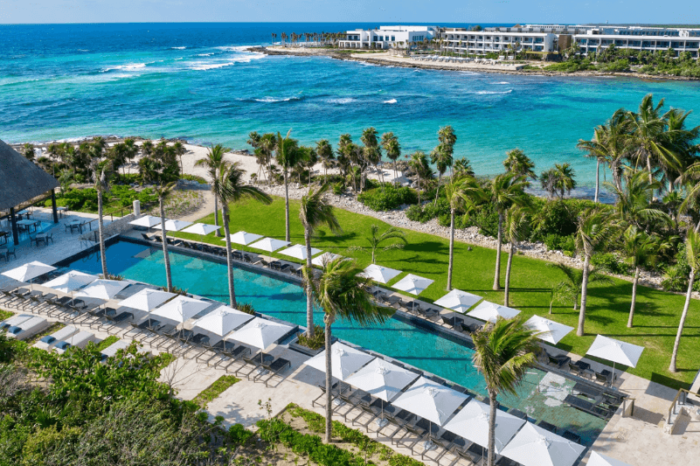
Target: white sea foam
{"points": [[494, 92], [503, 82], [205, 54], [342, 101], [272, 100], [178, 48], [208, 66], [129, 67], [392, 101]]}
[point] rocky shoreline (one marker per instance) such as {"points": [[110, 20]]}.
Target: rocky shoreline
{"points": [[437, 66]]}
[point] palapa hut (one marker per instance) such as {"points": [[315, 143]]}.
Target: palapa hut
{"points": [[20, 182]]}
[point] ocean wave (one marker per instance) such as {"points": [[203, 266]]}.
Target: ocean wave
{"points": [[503, 82], [392, 101], [205, 54], [493, 92], [129, 67], [341, 101], [273, 100], [209, 66], [178, 48]]}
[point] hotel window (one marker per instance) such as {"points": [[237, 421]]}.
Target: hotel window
{"points": [[393, 38]]}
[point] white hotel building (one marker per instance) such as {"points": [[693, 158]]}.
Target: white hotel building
{"points": [[640, 38], [497, 40], [387, 36]]}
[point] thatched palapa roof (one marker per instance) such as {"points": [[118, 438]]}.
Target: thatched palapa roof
{"points": [[20, 179]]}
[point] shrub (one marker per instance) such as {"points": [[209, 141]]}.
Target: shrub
{"points": [[339, 188], [486, 219], [387, 197], [428, 212], [556, 242], [675, 279], [610, 263], [247, 308], [316, 342], [461, 221]]}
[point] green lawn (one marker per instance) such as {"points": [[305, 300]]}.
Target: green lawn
{"points": [[656, 317]]}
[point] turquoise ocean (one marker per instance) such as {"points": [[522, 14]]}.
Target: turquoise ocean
{"points": [[199, 82]]}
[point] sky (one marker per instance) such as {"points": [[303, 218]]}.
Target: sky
{"points": [[391, 11]]}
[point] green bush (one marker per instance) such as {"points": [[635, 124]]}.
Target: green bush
{"points": [[428, 211], [339, 188], [554, 217], [316, 342], [556, 242], [461, 221], [610, 263], [486, 219], [387, 197]]}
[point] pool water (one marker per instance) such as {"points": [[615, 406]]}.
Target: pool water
{"points": [[540, 395]]}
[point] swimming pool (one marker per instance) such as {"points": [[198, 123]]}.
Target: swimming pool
{"points": [[540, 395]]}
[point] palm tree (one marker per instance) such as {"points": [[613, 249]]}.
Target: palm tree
{"points": [[517, 225], [213, 162], [634, 204], [324, 150], [230, 189], [179, 149], [372, 151], [565, 181], [441, 156], [462, 168], [692, 253], [314, 211], [593, 231], [28, 151], [503, 352], [548, 180], [101, 186], [375, 240], [641, 250], [162, 191], [419, 164], [457, 198], [342, 292], [392, 149], [288, 156], [570, 289], [519, 164]]}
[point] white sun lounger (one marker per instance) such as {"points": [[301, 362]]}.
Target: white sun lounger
{"points": [[14, 321], [49, 341], [112, 349], [28, 328], [79, 340]]}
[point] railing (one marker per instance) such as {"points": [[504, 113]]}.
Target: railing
{"points": [[681, 399]]}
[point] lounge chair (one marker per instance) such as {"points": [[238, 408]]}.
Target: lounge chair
{"points": [[146, 237], [79, 340], [275, 368], [369, 410], [27, 329], [48, 342], [255, 361], [558, 360], [604, 376], [547, 426], [572, 436], [112, 349], [323, 393]]}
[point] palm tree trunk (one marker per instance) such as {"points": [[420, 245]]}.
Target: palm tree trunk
{"points": [[229, 258], [216, 214], [166, 259], [437, 191], [492, 427], [630, 321], [597, 179], [452, 245], [329, 397], [497, 278], [508, 269], [100, 227], [395, 181], [584, 295], [651, 177], [286, 206], [676, 344], [309, 296]]}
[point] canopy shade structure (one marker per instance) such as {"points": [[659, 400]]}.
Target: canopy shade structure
{"points": [[71, 281], [176, 225], [244, 238], [490, 312], [222, 320], [458, 300], [325, 257], [430, 400], [180, 309], [472, 423], [534, 446], [102, 289], [345, 360], [597, 459], [201, 229], [615, 351], [298, 251], [21, 179], [380, 274], [270, 244], [550, 331], [146, 221], [146, 300], [413, 284], [30, 270], [261, 333], [382, 379]]}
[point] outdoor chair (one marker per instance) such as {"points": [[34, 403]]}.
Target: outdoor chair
{"points": [[220, 348], [274, 368], [575, 369], [255, 362], [247, 258], [518, 413], [323, 393], [232, 356], [285, 267], [584, 367], [604, 376], [568, 435], [146, 237], [558, 360], [547, 426], [49, 237], [370, 410], [417, 433], [438, 442], [397, 424], [503, 461], [275, 265], [116, 320]]}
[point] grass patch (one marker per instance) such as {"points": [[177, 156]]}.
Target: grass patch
{"points": [[656, 316], [214, 390], [104, 344], [318, 340], [4, 315], [52, 328]]}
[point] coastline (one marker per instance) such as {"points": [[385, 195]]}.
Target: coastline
{"points": [[385, 59]]}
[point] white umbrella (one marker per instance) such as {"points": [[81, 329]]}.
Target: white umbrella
{"points": [[413, 284], [597, 459], [146, 299], [616, 351], [490, 312], [432, 401], [71, 281], [180, 309], [534, 446], [244, 238], [270, 244], [380, 274], [222, 320], [345, 360], [146, 221], [176, 225], [298, 251], [261, 333], [549, 330], [200, 229], [28, 271], [458, 300], [323, 258], [472, 423], [102, 289]]}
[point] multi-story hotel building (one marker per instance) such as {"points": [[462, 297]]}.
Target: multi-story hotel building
{"points": [[387, 36], [639, 38]]}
